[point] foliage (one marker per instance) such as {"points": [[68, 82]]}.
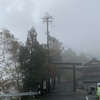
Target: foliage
{"points": [[32, 58], [55, 50], [10, 49], [70, 56]]}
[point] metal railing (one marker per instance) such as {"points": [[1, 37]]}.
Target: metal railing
{"points": [[4, 96]]}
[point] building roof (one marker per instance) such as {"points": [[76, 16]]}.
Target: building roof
{"points": [[90, 71], [93, 62], [91, 66]]}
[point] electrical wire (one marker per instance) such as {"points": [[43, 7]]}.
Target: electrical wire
{"points": [[78, 51], [17, 20], [79, 36], [29, 6]]}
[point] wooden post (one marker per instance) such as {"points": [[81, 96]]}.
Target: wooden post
{"points": [[74, 79]]}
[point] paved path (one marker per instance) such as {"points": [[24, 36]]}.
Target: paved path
{"points": [[91, 97], [65, 97], [64, 88], [64, 92]]}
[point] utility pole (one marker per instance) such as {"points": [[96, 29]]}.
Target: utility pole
{"points": [[48, 19]]}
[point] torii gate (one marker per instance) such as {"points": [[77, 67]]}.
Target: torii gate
{"points": [[74, 74]]}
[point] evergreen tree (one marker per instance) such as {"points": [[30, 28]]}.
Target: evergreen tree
{"points": [[32, 58]]}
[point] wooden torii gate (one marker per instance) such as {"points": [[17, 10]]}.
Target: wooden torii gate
{"points": [[73, 67]]}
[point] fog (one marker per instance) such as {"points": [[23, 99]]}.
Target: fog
{"points": [[75, 23]]}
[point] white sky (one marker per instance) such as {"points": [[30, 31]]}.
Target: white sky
{"points": [[76, 23]]}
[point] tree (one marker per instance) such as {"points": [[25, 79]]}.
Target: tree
{"points": [[10, 56], [70, 56], [32, 59], [55, 50], [14, 65], [83, 58]]}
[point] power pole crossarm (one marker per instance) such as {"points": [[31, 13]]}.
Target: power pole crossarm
{"points": [[47, 19]]}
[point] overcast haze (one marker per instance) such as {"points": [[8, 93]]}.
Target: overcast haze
{"points": [[76, 23]]}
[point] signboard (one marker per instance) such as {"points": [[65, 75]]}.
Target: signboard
{"points": [[44, 84]]}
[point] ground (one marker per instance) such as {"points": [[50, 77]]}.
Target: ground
{"points": [[65, 92]]}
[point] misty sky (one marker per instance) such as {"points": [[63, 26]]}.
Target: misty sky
{"points": [[76, 23]]}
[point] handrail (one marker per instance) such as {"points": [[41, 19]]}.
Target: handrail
{"points": [[19, 94]]}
